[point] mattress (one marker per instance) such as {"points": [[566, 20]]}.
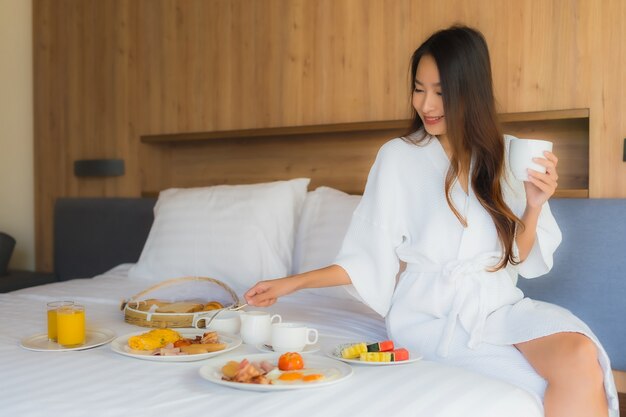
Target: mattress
{"points": [[100, 382]]}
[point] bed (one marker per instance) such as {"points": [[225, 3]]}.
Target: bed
{"points": [[304, 229]]}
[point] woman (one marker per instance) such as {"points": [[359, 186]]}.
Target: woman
{"points": [[442, 200]]}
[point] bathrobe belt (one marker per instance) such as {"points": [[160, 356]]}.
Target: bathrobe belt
{"points": [[466, 277]]}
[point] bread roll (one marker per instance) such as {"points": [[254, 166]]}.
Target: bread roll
{"points": [[180, 307]]}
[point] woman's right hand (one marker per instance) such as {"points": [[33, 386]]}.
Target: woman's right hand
{"points": [[265, 293]]}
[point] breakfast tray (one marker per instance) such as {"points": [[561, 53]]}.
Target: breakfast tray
{"points": [[199, 289]]}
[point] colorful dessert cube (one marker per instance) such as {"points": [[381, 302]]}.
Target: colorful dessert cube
{"points": [[353, 351], [384, 346], [399, 355], [376, 357]]}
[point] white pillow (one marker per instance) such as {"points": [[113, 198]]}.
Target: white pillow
{"points": [[324, 222], [239, 234]]}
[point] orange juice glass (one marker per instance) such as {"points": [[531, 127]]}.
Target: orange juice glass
{"points": [[71, 325], [52, 317]]}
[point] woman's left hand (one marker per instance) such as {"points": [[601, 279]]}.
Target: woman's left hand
{"points": [[540, 187]]}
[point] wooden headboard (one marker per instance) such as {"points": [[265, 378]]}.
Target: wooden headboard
{"points": [[337, 155]]}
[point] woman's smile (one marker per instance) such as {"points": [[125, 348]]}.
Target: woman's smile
{"points": [[432, 120]]}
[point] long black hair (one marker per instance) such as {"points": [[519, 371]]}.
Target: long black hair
{"points": [[472, 126]]}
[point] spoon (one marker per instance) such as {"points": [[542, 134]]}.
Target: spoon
{"points": [[235, 308]]}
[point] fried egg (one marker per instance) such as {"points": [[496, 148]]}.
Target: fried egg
{"points": [[302, 376]]}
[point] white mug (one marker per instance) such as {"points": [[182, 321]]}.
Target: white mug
{"points": [[521, 154], [226, 322], [256, 326], [292, 337]]}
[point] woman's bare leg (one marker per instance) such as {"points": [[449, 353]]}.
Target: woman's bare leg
{"points": [[569, 363]]}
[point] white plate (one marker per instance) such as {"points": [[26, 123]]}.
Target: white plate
{"points": [[232, 342], [335, 354], [212, 371], [93, 337], [307, 349]]}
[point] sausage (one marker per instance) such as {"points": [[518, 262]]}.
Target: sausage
{"points": [[197, 348]]}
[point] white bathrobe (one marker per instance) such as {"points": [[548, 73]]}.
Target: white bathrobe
{"points": [[446, 305]]}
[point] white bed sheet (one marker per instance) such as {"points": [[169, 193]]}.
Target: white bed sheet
{"points": [[99, 382]]}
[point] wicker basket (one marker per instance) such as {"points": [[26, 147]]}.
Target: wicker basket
{"points": [[138, 317]]}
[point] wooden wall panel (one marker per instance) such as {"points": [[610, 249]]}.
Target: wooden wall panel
{"points": [[336, 160], [85, 72], [107, 72], [607, 37], [337, 155], [229, 65]]}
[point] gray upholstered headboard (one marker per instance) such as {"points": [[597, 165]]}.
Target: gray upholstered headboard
{"points": [[589, 273], [93, 235]]}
